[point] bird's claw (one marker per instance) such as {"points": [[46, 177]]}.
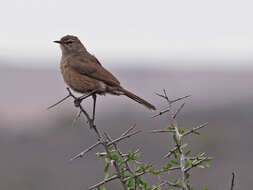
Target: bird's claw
{"points": [[77, 102]]}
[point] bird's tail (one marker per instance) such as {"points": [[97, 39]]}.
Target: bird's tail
{"points": [[137, 99]]}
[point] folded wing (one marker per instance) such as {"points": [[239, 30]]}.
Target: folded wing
{"points": [[90, 66]]}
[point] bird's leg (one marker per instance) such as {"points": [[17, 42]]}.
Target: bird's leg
{"points": [[94, 96], [78, 101]]}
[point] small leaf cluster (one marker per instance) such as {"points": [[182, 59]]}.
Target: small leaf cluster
{"points": [[201, 160], [130, 168]]}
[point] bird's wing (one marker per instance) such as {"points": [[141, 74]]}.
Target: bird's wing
{"points": [[90, 66]]}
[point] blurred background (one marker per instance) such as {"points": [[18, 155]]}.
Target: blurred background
{"points": [[198, 48]]}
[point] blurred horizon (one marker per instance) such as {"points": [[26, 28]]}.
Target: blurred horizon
{"points": [[139, 63], [198, 48], [36, 144]]}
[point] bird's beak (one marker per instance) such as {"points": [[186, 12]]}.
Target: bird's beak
{"points": [[57, 41]]}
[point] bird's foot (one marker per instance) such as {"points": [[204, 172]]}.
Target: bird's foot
{"points": [[77, 102]]}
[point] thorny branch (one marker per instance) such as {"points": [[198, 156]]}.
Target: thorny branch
{"points": [[83, 153], [195, 164], [106, 141], [103, 182], [178, 140], [170, 184], [178, 136]]}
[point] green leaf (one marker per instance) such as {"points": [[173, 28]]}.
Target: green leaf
{"points": [[139, 181], [107, 160], [209, 159], [175, 139], [187, 163], [174, 162], [106, 175], [207, 165], [200, 166], [143, 166], [176, 154], [110, 148], [127, 175], [168, 165], [114, 157], [187, 152], [168, 175], [184, 145], [192, 188], [137, 156], [196, 132], [145, 185], [187, 175], [102, 188], [106, 167], [138, 169], [99, 156], [177, 182], [201, 154], [170, 128], [130, 156], [130, 183], [205, 188], [156, 172], [181, 131]]}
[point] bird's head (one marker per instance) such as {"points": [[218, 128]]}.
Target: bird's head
{"points": [[70, 44]]}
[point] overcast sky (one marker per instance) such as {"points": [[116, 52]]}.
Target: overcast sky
{"points": [[130, 29]]}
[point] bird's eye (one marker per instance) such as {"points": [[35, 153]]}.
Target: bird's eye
{"points": [[69, 42]]}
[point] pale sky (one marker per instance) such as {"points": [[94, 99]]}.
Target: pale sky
{"points": [[169, 29]]}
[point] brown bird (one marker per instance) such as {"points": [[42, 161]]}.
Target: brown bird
{"points": [[84, 73]]}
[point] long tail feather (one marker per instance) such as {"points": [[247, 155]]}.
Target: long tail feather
{"points": [[138, 99]]}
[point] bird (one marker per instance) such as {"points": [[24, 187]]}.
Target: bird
{"points": [[83, 73]]}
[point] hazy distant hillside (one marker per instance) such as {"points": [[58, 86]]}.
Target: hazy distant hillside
{"points": [[36, 144], [28, 91]]}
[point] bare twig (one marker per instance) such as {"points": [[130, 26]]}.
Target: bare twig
{"points": [[123, 137], [162, 96], [138, 174], [233, 181], [105, 140], [195, 129], [76, 117], [83, 153], [135, 152], [170, 152], [182, 156], [178, 110], [60, 101], [178, 149], [171, 101], [120, 153], [162, 131], [171, 169], [197, 158], [161, 112], [103, 182], [178, 136], [115, 164], [178, 99], [128, 130], [196, 164], [170, 184]]}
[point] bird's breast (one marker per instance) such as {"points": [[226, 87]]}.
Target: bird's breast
{"points": [[79, 82]]}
